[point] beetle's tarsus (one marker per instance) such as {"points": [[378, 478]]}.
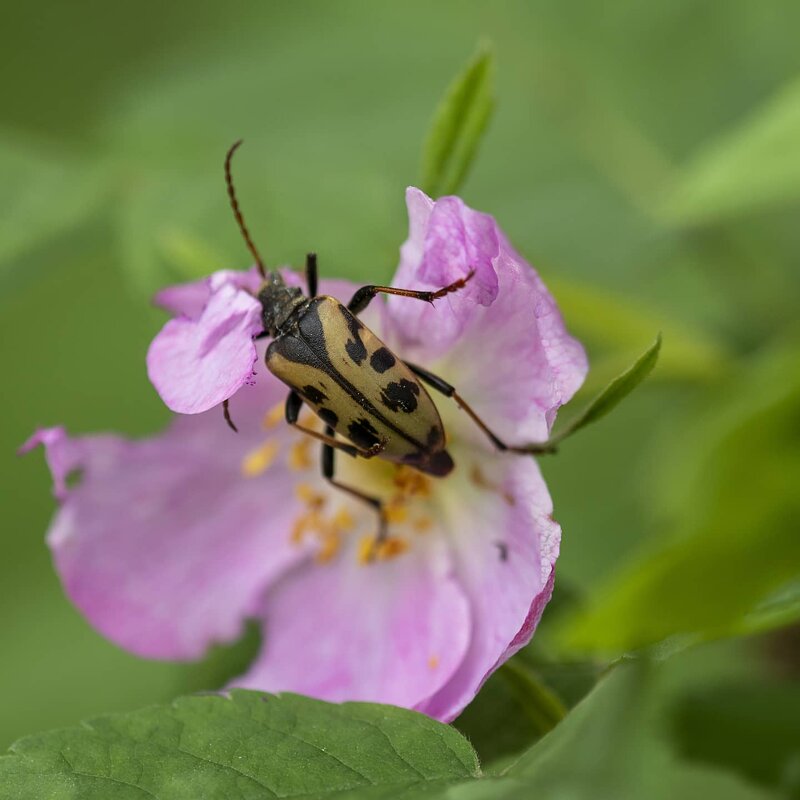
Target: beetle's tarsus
{"points": [[226, 412]]}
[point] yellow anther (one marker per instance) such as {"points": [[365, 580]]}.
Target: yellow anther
{"points": [[366, 549], [411, 482], [299, 457], [259, 460], [390, 547], [310, 522], [343, 520], [331, 542], [395, 512], [307, 495], [422, 524], [433, 662], [273, 416]]}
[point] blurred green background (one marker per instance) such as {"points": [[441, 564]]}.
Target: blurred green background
{"points": [[645, 157]]}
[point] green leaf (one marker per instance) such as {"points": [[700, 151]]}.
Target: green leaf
{"points": [[755, 165], [720, 724], [606, 749], [246, 745], [458, 126], [514, 709], [735, 542], [614, 393]]}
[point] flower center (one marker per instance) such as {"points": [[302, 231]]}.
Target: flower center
{"points": [[330, 519]]}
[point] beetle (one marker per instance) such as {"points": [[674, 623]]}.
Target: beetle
{"points": [[350, 379]]}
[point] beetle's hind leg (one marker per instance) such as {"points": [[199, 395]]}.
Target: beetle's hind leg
{"points": [[441, 385], [293, 405], [363, 296], [328, 472]]}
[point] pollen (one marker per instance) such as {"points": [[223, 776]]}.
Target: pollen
{"points": [[390, 547], [273, 416], [306, 494], [331, 543], [259, 460], [410, 482], [396, 512], [370, 549], [299, 457], [422, 524], [343, 520]]}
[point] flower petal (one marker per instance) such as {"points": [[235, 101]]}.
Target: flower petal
{"points": [[512, 359], [189, 299], [447, 240], [196, 364], [391, 631], [510, 516], [163, 545]]}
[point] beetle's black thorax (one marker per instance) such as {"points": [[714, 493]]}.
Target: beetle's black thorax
{"points": [[280, 304]]}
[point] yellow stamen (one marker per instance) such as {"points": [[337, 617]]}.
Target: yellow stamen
{"points": [[259, 460], [390, 547], [422, 524], [306, 494], [331, 543], [303, 524], [299, 457], [395, 512], [273, 416], [366, 550], [411, 482], [343, 520], [433, 662]]}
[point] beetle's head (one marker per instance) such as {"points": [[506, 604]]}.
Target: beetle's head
{"points": [[278, 302]]}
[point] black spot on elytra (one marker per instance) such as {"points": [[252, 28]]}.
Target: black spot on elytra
{"points": [[382, 359], [328, 416], [314, 395], [434, 439], [354, 347], [361, 432], [401, 396]]}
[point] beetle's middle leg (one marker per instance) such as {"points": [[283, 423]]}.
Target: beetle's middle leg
{"points": [[441, 385], [293, 405], [328, 470], [363, 296]]}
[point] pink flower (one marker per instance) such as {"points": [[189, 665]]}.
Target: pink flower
{"points": [[167, 544]]}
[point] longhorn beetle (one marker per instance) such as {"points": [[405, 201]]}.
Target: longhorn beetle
{"points": [[349, 377]]}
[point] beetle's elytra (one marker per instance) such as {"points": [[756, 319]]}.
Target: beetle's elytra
{"points": [[352, 381], [357, 386]]}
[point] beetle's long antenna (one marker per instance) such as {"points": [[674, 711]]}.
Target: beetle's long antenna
{"points": [[237, 213]]}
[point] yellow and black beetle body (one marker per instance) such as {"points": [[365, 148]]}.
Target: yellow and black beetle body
{"points": [[349, 377], [357, 386]]}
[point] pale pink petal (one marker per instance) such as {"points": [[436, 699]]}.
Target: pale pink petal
{"points": [[163, 544], [195, 364], [447, 240], [507, 594], [189, 299], [513, 359], [390, 632]]}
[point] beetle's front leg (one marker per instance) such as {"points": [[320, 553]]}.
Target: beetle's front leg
{"points": [[293, 405], [441, 385], [328, 470], [363, 296]]}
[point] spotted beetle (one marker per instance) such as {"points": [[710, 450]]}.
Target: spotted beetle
{"points": [[349, 378]]}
